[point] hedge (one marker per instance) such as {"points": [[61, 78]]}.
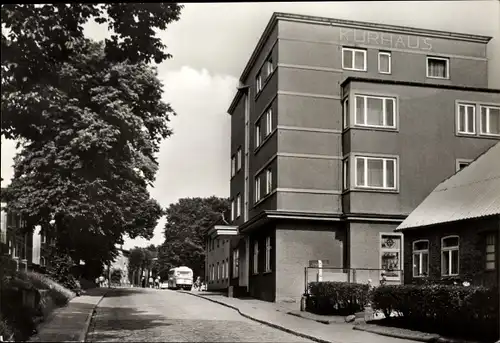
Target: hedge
{"points": [[445, 309], [341, 298]]}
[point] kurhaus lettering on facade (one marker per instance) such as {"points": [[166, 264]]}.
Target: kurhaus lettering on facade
{"points": [[385, 39]]}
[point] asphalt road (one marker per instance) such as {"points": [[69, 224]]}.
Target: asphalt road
{"points": [[150, 315]]}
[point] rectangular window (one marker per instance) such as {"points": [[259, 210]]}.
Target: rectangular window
{"points": [[390, 256], [258, 83], [269, 181], [238, 205], [269, 67], [354, 59], [233, 166], [376, 172], [384, 62], [236, 262], [268, 254], [375, 111], [438, 67], [346, 174], [449, 256], [466, 118], [490, 120], [461, 164], [233, 212], [257, 135], [257, 188], [218, 271], [238, 159], [346, 113], [269, 121], [256, 258], [491, 251], [420, 258]]}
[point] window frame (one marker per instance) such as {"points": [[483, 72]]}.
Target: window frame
{"points": [[384, 99], [384, 172], [233, 212], [236, 263], [400, 252], [269, 121], [233, 166], [449, 251], [494, 238], [268, 267], [487, 107], [238, 205], [460, 161], [257, 186], [258, 139], [346, 114], [255, 264], [258, 82], [353, 54], [238, 159], [269, 66], [345, 174], [466, 124], [269, 180], [389, 55], [420, 253], [446, 59]]}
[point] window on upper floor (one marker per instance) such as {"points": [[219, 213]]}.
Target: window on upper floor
{"points": [[375, 111], [233, 166], [354, 59], [233, 212], [345, 173], [257, 188], [258, 83], [438, 67], [466, 118], [268, 66], [238, 205], [491, 251], [269, 121], [449, 256], [269, 180], [346, 113], [257, 134], [238, 159], [490, 120], [420, 258], [376, 172], [384, 62]]}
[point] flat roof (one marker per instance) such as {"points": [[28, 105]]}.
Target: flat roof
{"points": [[418, 84]]}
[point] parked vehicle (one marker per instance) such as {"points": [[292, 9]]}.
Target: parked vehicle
{"points": [[180, 277]]}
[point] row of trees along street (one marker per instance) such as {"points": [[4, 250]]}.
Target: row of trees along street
{"points": [[88, 117]]}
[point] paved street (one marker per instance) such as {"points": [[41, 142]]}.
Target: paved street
{"points": [[167, 316]]}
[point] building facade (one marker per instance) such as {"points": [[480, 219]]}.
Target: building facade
{"points": [[454, 234], [339, 129]]}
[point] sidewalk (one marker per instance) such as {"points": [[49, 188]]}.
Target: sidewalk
{"points": [[70, 323], [275, 315]]}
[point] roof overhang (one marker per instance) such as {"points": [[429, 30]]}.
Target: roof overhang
{"points": [[222, 230]]}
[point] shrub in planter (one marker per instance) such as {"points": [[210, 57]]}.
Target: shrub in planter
{"points": [[340, 298], [447, 309]]}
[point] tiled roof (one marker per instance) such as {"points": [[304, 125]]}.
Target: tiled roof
{"points": [[472, 192]]}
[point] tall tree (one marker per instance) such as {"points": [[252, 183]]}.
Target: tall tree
{"points": [[89, 117], [187, 221]]}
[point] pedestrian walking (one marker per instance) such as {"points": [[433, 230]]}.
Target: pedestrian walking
{"points": [[197, 284]]}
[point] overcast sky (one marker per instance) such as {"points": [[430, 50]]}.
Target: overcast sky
{"points": [[211, 45]]}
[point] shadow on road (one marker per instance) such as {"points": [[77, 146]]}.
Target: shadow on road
{"points": [[117, 323], [121, 292]]}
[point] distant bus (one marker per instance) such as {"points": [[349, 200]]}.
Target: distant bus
{"points": [[180, 277]]}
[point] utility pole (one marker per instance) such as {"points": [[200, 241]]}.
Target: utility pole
{"points": [[109, 275]]}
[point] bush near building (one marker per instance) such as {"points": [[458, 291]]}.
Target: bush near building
{"points": [[455, 310], [337, 298]]}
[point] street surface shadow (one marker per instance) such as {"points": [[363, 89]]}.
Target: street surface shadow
{"points": [[116, 323], [121, 292]]}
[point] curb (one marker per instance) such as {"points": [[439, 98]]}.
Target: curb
{"points": [[275, 326], [396, 335], [83, 335]]}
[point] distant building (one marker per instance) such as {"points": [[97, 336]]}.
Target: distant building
{"points": [[218, 241], [121, 262], [339, 129], [454, 233]]}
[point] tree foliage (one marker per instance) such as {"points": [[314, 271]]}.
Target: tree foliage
{"points": [[90, 118], [187, 221]]}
